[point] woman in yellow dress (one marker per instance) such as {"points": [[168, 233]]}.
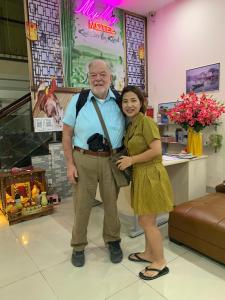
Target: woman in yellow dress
{"points": [[151, 191]]}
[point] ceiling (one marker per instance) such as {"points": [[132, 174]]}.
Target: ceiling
{"points": [[142, 7]]}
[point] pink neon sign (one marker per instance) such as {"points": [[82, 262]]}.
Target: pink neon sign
{"points": [[87, 8]]}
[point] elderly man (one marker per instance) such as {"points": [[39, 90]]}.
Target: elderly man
{"points": [[88, 165]]}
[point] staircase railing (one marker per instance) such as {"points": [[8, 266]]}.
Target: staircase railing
{"points": [[17, 140], [15, 105]]}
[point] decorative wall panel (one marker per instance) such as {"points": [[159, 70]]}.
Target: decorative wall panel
{"points": [[46, 50], [135, 29]]}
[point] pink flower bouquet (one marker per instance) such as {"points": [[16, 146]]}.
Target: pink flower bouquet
{"points": [[196, 111]]}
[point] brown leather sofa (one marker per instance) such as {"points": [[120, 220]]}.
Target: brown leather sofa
{"points": [[200, 224]]}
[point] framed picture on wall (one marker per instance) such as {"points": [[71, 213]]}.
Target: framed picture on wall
{"points": [[162, 111], [203, 79]]}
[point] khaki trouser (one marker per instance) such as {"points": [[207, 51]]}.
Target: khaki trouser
{"points": [[93, 170]]}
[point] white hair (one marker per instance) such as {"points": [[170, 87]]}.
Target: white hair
{"points": [[96, 60]]}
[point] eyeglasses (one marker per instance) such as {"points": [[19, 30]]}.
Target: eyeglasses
{"points": [[98, 75]]}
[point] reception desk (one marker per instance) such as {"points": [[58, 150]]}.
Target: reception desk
{"points": [[188, 178]]}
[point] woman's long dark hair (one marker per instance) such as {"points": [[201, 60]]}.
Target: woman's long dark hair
{"points": [[137, 91]]}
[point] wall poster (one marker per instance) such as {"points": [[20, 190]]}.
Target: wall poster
{"points": [[86, 40]]}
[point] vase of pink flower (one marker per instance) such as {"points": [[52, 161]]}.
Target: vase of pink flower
{"points": [[194, 113]]}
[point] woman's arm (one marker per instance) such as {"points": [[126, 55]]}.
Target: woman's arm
{"points": [[154, 150]]}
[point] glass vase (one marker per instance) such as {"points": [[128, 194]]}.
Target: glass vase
{"points": [[194, 145]]}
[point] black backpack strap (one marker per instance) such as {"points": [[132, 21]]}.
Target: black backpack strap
{"points": [[116, 93], [82, 99]]}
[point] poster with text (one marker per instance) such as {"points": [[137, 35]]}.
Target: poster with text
{"points": [[84, 39]]}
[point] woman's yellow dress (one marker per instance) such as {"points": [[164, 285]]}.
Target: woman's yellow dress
{"points": [[151, 190]]}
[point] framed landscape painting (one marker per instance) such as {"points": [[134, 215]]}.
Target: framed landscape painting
{"points": [[203, 79]]}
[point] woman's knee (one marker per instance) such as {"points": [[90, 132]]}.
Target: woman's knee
{"points": [[147, 221]]}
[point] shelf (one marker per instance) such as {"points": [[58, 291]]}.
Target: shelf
{"points": [[167, 124], [16, 218], [177, 143], [171, 140]]}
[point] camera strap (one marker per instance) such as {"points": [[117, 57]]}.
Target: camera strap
{"points": [[102, 123]]}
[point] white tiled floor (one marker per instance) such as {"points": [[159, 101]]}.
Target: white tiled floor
{"points": [[35, 264]]}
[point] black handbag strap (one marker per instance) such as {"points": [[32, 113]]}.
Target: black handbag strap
{"points": [[102, 123]]}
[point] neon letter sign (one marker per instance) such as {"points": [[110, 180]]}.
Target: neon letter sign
{"points": [[87, 8], [101, 27]]}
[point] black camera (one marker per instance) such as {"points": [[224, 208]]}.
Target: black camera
{"points": [[97, 142]]}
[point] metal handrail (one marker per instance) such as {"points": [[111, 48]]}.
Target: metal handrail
{"points": [[15, 105]]}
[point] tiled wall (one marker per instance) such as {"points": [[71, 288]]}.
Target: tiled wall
{"points": [[55, 167]]}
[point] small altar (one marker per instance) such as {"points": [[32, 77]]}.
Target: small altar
{"points": [[23, 195]]}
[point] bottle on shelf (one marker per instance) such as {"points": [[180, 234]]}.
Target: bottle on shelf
{"points": [[179, 135], [44, 200], [159, 118]]}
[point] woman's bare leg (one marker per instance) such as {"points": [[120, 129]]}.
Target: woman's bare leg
{"points": [[154, 243], [146, 254]]}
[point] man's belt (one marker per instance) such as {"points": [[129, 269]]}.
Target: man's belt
{"points": [[97, 153]]}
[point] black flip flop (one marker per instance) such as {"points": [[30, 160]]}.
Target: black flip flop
{"points": [[138, 258], [162, 272]]}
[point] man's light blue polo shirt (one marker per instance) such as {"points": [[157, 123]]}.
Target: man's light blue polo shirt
{"points": [[87, 122]]}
